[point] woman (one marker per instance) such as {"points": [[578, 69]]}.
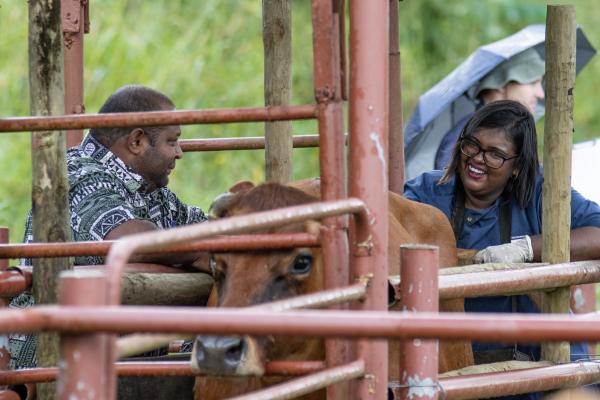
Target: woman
{"points": [[492, 194]]}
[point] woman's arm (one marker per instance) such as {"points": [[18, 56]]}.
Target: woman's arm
{"points": [[585, 244]]}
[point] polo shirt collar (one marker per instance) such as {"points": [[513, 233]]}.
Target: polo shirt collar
{"points": [[95, 150]]}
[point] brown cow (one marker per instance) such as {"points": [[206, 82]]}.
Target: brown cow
{"points": [[247, 278]]}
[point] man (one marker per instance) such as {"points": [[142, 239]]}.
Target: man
{"points": [[117, 187], [518, 78]]}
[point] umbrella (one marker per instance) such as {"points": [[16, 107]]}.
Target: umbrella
{"points": [[450, 100]]}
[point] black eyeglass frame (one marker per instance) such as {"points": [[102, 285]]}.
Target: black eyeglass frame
{"points": [[485, 160]]}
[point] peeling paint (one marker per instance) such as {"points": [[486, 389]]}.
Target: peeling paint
{"points": [[579, 298], [45, 182], [3, 341], [76, 355], [417, 342], [410, 288], [376, 138], [418, 387]]}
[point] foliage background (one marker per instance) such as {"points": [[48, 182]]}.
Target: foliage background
{"points": [[207, 54]]}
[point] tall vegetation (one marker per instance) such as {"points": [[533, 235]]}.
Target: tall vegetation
{"points": [[208, 54]]}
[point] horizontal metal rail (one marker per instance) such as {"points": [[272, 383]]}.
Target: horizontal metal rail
{"points": [[320, 299], [242, 143], [155, 368], [327, 323], [496, 384], [123, 249], [158, 118], [307, 384], [140, 343], [101, 248], [507, 282]]}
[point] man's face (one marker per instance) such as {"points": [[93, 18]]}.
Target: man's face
{"points": [[158, 159], [527, 94]]}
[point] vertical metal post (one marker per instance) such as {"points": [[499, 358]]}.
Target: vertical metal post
{"points": [[79, 375], [368, 150], [396, 169], [74, 23], [326, 70], [419, 288], [4, 352]]}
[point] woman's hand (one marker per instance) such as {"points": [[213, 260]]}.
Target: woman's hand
{"points": [[517, 251]]}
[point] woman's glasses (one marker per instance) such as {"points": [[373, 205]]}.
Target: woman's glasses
{"points": [[491, 158]]}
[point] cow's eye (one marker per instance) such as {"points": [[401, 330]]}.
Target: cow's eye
{"points": [[302, 264]]}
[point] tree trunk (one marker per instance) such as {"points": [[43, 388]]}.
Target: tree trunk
{"points": [[277, 40], [49, 180], [558, 136]]}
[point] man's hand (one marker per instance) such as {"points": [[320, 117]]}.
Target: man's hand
{"points": [[517, 251]]}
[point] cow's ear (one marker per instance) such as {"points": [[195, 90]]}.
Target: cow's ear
{"points": [[220, 205], [241, 186]]}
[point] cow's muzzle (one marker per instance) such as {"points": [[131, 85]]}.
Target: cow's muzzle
{"points": [[226, 355]]}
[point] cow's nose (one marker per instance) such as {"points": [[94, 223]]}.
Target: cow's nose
{"points": [[219, 355]]}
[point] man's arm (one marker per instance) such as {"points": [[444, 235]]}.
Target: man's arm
{"points": [[196, 259]]}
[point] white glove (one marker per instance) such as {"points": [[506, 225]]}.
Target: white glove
{"points": [[517, 251]]}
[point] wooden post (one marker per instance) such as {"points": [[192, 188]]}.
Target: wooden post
{"points": [[558, 128], [49, 180], [277, 40], [396, 146]]}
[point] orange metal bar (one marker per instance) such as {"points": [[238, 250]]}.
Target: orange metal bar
{"points": [[522, 381], [368, 181], [307, 384], [327, 323], [73, 19], [243, 143], [419, 288], [156, 368], [225, 243], [158, 118], [80, 354]]}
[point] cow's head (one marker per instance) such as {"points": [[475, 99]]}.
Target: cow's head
{"points": [[243, 279]]}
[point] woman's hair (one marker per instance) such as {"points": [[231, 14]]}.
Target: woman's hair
{"points": [[515, 120]]}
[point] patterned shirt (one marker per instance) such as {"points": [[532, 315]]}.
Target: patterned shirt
{"points": [[103, 193]]}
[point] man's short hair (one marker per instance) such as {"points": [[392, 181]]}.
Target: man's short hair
{"points": [[130, 98]]}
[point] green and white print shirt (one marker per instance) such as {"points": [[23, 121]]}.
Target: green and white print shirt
{"points": [[103, 194]]}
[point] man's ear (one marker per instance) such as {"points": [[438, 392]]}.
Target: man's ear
{"points": [[136, 141]]}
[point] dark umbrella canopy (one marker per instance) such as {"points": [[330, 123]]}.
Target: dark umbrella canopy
{"points": [[451, 99]]}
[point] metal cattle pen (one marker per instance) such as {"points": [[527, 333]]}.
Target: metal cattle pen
{"points": [[368, 258]]}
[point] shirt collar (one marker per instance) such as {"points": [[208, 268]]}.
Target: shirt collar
{"points": [[92, 148]]}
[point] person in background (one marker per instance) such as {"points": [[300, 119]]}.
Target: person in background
{"points": [[518, 78], [491, 192], [118, 186]]}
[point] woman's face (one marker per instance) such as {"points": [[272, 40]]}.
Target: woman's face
{"points": [[482, 183]]}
